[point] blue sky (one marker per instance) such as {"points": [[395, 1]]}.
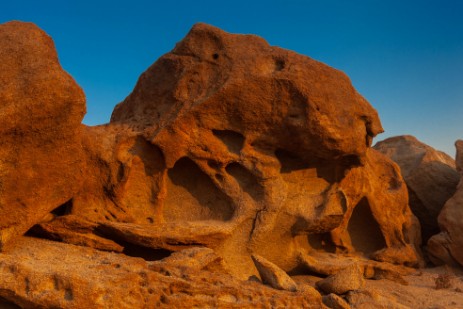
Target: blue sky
{"points": [[405, 57]]}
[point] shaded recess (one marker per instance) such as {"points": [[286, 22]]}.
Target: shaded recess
{"points": [[6, 304], [151, 156], [291, 162], [364, 231], [64, 209], [192, 196], [322, 242], [248, 182], [233, 140]]}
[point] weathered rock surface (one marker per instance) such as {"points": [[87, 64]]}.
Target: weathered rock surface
{"points": [[273, 275], [269, 143], [343, 281], [40, 115], [43, 274], [430, 175], [226, 143], [447, 246], [334, 301]]}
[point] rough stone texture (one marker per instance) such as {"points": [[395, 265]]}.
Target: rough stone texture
{"points": [[225, 143], [43, 274], [343, 281], [328, 264], [334, 301], [40, 115], [261, 142], [273, 275], [369, 298], [447, 246], [430, 176]]}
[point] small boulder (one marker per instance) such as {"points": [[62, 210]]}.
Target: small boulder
{"points": [[348, 279], [334, 301], [273, 275]]}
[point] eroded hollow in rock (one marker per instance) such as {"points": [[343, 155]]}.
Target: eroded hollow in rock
{"points": [[364, 231], [150, 155], [321, 242], [233, 140], [248, 182], [64, 209], [192, 196], [6, 304]]}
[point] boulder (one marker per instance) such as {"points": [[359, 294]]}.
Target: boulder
{"points": [[273, 275], [334, 301], [447, 246], [345, 280], [430, 175], [40, 127], [270, 144]]}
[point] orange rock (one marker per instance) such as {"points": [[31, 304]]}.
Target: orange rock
{"points": [[447, 246], [41, 111], [430, 176]]}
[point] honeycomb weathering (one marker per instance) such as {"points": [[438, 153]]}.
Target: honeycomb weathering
{"points": [[226, 143]]}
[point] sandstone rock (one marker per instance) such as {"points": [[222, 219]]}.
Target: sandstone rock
{"points": [[430, 176], [74, 230], [335, 302], [273, 275], [329, 264], [447, 246], [347, 279], [368, 298], [43, 274], [41, 111], [228, 130], [226, 143]]}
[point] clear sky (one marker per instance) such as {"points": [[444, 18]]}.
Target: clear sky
{"points": [[405, 57]]}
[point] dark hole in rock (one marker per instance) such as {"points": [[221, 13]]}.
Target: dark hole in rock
{"points": [[321, 242], [151, 156], [148, 254], [364, 231], [6, 304], [233, 140], [192, 196], [64, 209], [279, 64], [213, 164], [215, 56], [289, 161], [248, 182]]}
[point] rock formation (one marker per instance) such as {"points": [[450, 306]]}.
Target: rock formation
{"points": [[40, 121], [226, 143], [447, 246], [430, 176]]}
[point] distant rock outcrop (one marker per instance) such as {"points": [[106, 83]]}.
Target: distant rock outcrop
{"points": [[430, 175], [41, 112], [447, 246]]}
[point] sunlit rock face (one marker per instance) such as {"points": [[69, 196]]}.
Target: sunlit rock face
{"points": [[41, 110], [257, 149], [225, 143]]}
